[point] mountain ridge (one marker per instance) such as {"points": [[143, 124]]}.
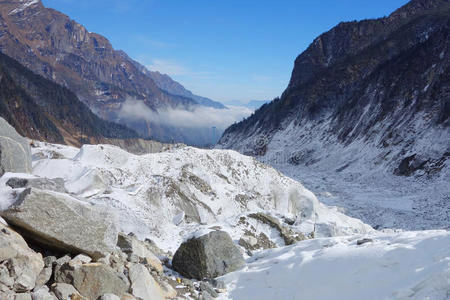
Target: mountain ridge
{"points": [[41, 109], [62, 50], [362, 79]]}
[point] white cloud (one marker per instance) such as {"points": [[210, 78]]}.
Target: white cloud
{"points": [[197, 117]]}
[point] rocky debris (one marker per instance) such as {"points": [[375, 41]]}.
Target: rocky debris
{"points": [[208, 256], [63, 291], [143, 285], [15, 151], [19, 265], [62, 222], [56, 184], [131, 245], [289, 236], [92, 280], [363, 241]]}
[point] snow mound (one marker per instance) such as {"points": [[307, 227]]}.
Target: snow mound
{"points": [[406, 265], [164, 196]]}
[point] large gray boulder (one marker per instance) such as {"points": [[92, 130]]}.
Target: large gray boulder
{"points": [[208, 256], [15, 152], [62, 222]]}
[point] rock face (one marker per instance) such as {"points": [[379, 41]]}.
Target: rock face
{"points": [[62, 222], [378, 85], [15, 153], [208, 256], [19, 265]]}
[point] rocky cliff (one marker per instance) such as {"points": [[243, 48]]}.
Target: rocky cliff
{"points": [[374, 91]]}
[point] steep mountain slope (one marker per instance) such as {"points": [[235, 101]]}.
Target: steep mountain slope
{"points": [[43, 110], [366, 100], [58, 48], [384, 83]]}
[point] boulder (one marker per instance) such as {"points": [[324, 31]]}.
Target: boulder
{"points": [[64, 223], [15, 152], [92, 280], [208, 256], [56, 184], [143, 285], [19, 265]]}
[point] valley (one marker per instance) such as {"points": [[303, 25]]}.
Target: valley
{"points": [[112, 185]]}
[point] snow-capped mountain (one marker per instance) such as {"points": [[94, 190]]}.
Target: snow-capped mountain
{"points": [[366, 100]]}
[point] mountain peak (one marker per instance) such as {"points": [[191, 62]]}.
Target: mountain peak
{"points": [[418, 6], [18, 6]]}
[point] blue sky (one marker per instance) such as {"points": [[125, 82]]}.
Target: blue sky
{"points": [[222, 49]]}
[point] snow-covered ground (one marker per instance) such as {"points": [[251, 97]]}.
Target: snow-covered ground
{"points": [[380, 199], [175, 194], [359, 176], [406, 265], [165, 196]]}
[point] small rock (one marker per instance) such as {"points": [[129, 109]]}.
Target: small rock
{"points": [[109, 297], [206, 287], [49, 260], [63, 291], [363, 241], [131, 245], [220, 285], [80, 259], [44, 276], [43, 294]]}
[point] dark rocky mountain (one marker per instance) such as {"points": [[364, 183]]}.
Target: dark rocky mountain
{"points": [[374, 91], [41, 109], [58, 48]]}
